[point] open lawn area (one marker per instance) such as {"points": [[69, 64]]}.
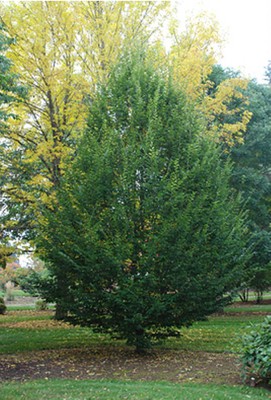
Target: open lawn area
{"points": [[112, 390], [41, 358]]}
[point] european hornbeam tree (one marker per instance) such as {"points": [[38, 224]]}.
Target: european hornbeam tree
{"points": [[147, 236]]}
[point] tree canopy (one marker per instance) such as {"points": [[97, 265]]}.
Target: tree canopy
{"points": [[61, 53], [147, 235]]}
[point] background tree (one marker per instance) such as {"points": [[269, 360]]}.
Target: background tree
{"points": [[251, 176], [37, 281], [10, 93], [193, 56], [268, 73], [147, 235], [62, 50]]}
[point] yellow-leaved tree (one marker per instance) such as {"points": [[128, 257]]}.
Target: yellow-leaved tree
{"points": [[62, 50], [194, 52]]}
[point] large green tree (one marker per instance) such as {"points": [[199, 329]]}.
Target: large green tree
{"points": [[146, 235]]}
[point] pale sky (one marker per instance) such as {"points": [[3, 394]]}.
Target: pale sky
{"points": [[246, 25]]}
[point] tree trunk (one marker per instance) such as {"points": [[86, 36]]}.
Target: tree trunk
{"points": [[60, 312], [243, 295], [259, 297]]}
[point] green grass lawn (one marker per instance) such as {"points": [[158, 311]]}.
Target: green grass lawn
{"points": [[218, 334], [118, 390], [249, 308], [15, 293], [18, 340], [28, 331], [20, 308]]}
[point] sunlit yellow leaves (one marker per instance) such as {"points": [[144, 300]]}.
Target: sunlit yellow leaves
{"points": [[193, 54], [62, 50], [218, 111]]}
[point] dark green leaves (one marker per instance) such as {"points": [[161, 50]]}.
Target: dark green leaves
{"points": [[147, 235]]}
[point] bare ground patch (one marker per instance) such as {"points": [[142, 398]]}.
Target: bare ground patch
{"points": [[114, 363]]}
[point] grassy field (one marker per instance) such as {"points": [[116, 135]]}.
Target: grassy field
{"points": [[21, 307], [27, 330], [252, 308], [112, 390], [15, 293]]}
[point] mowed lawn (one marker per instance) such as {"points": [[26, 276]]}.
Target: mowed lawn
{"points": [[117, 390], [26, 332]]}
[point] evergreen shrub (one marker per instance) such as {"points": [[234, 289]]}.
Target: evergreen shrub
{"points": [[256, 353]]}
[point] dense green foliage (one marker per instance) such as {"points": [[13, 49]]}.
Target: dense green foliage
{"points": [[251, 176], [146, 234], [256, 352]]}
